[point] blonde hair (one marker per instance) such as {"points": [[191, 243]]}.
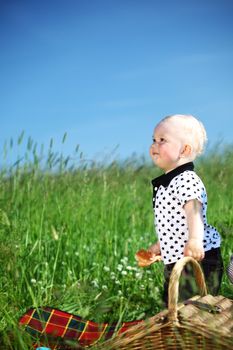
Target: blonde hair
{"points": [[193, 132]]}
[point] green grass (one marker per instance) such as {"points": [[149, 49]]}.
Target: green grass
{"points": [[69, 231]]}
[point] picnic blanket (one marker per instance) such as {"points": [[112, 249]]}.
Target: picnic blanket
{"points": [[59, 329]]}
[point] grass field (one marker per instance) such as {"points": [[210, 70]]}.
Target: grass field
{"points": [[69, 231]]}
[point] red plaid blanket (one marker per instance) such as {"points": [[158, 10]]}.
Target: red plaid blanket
{"points": [[58, 329]]}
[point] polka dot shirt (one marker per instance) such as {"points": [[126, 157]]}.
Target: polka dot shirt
{"points": [[170, 193]]}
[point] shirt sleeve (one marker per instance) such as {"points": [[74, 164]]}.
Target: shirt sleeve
{"points": [[189, 186]]}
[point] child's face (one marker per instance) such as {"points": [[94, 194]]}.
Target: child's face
{"points": [[167, 146]]}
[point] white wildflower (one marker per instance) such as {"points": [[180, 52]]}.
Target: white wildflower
{"points": [[106, 268], [133, 268], [124, 260], [95, 283], [119, 267], [138, 275]]}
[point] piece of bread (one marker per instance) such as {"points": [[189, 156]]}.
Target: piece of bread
{"points": [[146, 258]]}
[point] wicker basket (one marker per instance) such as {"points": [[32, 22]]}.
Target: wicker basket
{"points": [[202, 322]]}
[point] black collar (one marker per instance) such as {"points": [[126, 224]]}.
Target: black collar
{"points": [[165, 179]]}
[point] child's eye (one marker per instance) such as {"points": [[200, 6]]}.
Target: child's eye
{"points": [[159, 141]]}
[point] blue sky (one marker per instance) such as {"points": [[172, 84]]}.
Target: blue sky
{"points": [[105, 72]]}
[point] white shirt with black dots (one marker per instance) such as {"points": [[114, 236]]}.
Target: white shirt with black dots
{"points": [[170, 219]]}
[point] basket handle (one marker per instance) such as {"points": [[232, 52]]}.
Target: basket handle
{"points": [[173, 290]]}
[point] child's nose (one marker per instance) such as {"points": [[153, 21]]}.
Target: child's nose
{"points": [[153, 149]]}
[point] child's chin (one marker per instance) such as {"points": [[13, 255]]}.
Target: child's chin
{"points": [[158, 164]]}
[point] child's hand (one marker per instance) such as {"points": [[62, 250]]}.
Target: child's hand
{"points": [[146, 258], [194, 248], [149, 256], [155, 248]]}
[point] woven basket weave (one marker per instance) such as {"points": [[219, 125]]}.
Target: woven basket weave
{"points": [[202, 322]]}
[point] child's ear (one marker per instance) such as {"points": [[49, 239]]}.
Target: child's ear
{"points": [[187, 150]]}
